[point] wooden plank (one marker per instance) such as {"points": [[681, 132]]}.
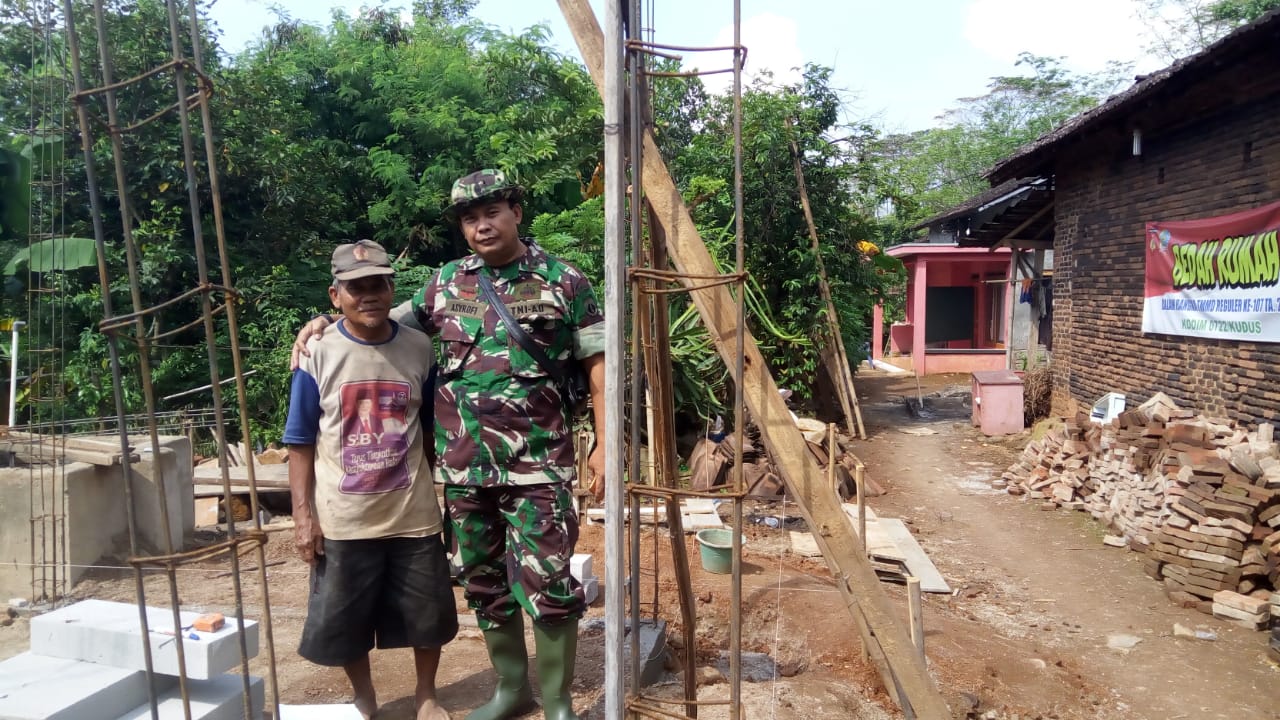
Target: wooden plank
{"points": [[803, 544], [34, 448], [880, 544], [206, 511], [855, 579], [237, 488], [917, 561], [658, 372], [264, 475], [833, 354], [915, 608]]}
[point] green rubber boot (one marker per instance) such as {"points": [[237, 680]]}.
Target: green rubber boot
{"points": [[557, 647], [513, 696]]}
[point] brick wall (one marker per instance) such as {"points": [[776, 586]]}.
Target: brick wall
{"points": [[1220, 161]]}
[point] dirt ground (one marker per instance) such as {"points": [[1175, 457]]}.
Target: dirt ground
{"points": [[1024, 635]]}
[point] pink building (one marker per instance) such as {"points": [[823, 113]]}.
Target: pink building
{"points": [[958, 302], [964, 285]]}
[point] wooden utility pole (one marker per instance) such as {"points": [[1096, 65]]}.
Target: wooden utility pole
{"points": [[854, 577]]}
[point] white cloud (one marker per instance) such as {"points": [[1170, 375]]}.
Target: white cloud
{"points": [[242, 21], [1086, 32], [772, 42]]}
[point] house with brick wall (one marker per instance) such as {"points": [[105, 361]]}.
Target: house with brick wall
{"points": [[1196, 141]]}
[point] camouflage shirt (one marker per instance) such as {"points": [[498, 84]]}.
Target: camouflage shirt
{"points": [[499, 418]]}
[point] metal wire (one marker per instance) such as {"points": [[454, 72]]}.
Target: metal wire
{"points": [[46, 306], [646, 283], [130, 325]]}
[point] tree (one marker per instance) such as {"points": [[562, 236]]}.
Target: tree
{"points": [[322, 135], [786, 309], [931, 170], [1181, 27]]}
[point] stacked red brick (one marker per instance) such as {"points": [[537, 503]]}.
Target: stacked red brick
{"points": [[1199, 496], [1273, 648]]}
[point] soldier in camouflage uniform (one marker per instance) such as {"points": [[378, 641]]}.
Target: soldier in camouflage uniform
{"points": [[503, 438]]}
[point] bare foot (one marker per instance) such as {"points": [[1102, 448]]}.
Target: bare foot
{"points": [[366, 706], [431, 710]]}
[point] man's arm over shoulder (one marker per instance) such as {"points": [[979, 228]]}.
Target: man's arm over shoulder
{"points": [[418, 312]]}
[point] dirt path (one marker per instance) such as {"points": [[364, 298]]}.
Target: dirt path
{"points": [[1038, 595]]}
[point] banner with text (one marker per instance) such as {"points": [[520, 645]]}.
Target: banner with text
{"points": [[1215, 278]]}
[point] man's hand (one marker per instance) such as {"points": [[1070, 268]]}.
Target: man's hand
{"points": [[308, 538], [595, 466], [314, 328]]}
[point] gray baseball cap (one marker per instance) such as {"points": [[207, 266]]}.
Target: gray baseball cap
{"points": [[361, 258]]}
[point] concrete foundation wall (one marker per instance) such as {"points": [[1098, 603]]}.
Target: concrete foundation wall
{"points": [[89, 501], [937, 363]]}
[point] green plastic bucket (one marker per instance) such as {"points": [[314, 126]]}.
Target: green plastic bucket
{"points": [[715, 546]]}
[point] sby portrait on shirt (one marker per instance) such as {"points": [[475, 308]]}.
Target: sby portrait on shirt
{"points": [[374, 446]]}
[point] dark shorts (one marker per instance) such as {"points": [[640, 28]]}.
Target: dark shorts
{"points": [[388, 593]]}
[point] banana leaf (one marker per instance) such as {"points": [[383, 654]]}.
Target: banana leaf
{"points": [[55, 254]]}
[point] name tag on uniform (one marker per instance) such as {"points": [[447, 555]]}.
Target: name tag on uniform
{"points": [[464, 308], [531, 307]]}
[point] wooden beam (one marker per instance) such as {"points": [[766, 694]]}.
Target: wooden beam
{"points": [[1025, 224], [37, 448], [835, 359], [1024, 244], [854, 576], [1011, 299]]}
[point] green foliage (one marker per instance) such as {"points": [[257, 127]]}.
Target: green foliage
{"points": [[575, 235], [325, 135], [931, 170], [1182, 27], [1233, 13], [322, 136], [15, 194], [60, 254], [786, 307]]}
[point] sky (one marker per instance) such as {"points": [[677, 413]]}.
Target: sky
{"points": [[898, 63]]}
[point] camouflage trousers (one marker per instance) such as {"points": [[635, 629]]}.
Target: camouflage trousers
{"points": [[511, 550]]}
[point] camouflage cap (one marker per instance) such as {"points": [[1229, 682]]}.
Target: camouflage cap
{"points": [[360, 259], [483, 185]]}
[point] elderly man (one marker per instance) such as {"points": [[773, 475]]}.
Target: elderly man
{"points": [[503, 434]]}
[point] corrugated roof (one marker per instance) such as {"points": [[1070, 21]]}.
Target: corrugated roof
{"points": [[1248, 36], [1004, 191]]}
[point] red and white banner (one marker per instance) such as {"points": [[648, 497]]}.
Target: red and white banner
{"points": [[1216, 278]]}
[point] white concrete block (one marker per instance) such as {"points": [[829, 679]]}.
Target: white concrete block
{"points": [[591, 589], [35, 687], [693, 522], [580, 567], [319, 712], [108, 633], [698, 505], [221, 698]]}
